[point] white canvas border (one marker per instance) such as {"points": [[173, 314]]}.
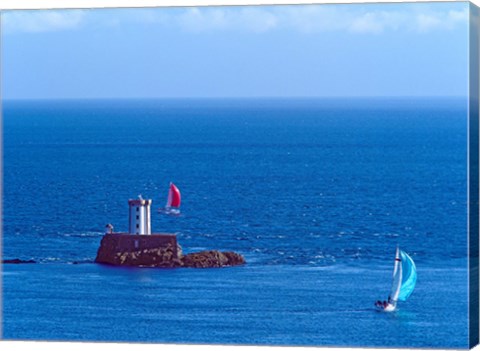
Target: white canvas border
{"points": [[54, 4]]}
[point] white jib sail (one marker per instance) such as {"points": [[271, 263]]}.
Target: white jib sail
{"points": [[397, 277], [169, 199]]}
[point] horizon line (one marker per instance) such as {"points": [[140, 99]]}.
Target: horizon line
{"points": [[238, 97]]}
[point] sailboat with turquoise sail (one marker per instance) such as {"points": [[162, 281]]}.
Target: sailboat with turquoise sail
{"points": [[404, 281]]}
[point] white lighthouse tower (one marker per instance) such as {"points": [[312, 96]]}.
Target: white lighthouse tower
{"points": [[139, 219]]}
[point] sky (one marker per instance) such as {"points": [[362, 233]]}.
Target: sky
{"points": [[354, 50]]}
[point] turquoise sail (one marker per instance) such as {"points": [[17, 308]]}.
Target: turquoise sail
{"points": [[409, 276]]}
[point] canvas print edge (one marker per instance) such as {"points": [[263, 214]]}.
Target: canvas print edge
{"points": [[474, 174]]}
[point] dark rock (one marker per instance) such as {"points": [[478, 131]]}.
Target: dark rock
{"points": [[212, 258], [139, 251], [234, 259], [157, 257], [158, 251], [164, 257], [17, 261]]}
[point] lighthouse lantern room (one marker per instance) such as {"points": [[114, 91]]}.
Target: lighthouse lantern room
{"points": [[139, 218]]}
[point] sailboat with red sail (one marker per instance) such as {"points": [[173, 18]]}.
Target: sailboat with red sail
{"points": [[173, 201]]}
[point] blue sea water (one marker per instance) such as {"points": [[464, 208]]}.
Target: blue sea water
{"points": [[315, 193]]}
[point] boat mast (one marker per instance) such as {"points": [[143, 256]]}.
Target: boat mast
{"points": [[397, 277], [169, 199]]}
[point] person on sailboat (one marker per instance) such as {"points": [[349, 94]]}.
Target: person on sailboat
{"points": [[383, 304], [386, 305]]}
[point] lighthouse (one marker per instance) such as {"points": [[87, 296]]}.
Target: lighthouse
{"points": [[139, 218], [140, 248]]}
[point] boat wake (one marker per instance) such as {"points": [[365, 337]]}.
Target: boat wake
{"points": [[84, 234], [170, 211]]}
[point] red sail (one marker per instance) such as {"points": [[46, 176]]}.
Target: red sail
{"points": [[174, 196]]}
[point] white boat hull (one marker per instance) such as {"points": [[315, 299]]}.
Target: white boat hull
{"points": [[169, 211], [390, 308], [385, 308]]}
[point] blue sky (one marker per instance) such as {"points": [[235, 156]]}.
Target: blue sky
{"points": [[265, 51]]}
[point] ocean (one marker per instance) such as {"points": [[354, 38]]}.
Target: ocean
{"points": [[315, 193]]}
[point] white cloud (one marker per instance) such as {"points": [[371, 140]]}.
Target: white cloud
{"points": [[311, 18], [359, 19], [427, 22], [367, 23], [378, 22], [314, 18], [195, 19], [458, 16], [435, 20], [259, 20], [42, 20], [244, 18]]}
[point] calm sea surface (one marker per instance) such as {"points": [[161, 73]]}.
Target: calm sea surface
{"points": [[315, 194]]}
